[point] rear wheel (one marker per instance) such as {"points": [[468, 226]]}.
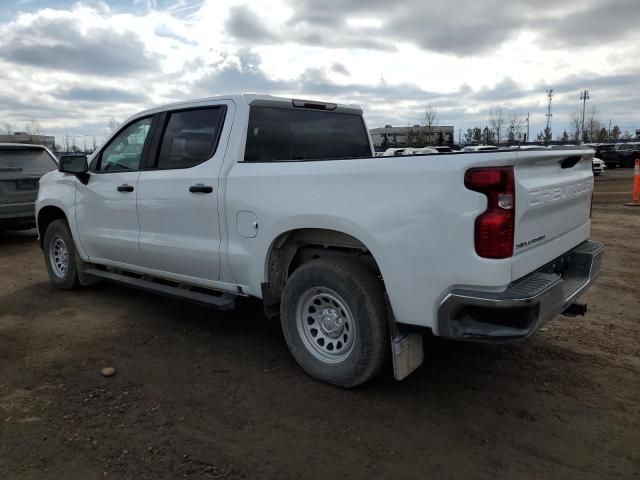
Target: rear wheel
{"points": [[60, 256], [333, 319]]}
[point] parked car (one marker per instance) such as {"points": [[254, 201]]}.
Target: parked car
{"points": [[628, 153], [480, 148], [21, 167], [281, 199], [598, 166], [443, 149], [393, 152], [607, 152], [419, 150]]}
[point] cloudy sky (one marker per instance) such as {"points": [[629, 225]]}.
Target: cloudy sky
{"points": [[74, 65]]}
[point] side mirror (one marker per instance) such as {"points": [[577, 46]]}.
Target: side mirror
{"points": [[73, 164]]}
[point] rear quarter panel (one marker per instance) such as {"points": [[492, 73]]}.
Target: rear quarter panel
{"points": [[413, 213]]}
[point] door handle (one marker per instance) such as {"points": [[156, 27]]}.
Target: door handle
{"points": [[125, 188], [200, 188]]}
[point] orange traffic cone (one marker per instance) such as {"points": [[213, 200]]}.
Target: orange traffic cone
{"points": [[636, 185]]}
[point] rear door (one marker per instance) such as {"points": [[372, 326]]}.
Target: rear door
{"points": [[178, 193], [20, 169], [106, 213], [553, 205]]}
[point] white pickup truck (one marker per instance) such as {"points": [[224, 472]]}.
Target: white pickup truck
{"points": [[281, 199]]}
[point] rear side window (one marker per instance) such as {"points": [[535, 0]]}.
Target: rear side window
{"points": [[283, 134], [190, 137], [28, 160]]}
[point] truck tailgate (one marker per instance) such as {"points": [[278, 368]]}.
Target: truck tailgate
{"points": [[553, 205]]}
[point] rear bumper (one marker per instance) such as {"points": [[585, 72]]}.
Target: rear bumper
{"points": [[526, 304]]}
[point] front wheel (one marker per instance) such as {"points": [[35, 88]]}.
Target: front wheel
{"points": [[334, 321], [60, 256]]}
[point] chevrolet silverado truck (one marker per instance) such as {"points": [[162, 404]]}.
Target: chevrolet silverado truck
{"points": [[282, 199]]}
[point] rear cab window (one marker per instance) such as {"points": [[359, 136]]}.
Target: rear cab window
{"points": [[288, 134], [26, 160]]}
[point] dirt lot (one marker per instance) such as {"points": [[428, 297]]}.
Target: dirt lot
{"points": [[201, 394]]}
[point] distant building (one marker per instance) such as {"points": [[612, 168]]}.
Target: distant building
{"points": [[638, 133], [417, 135], [23, 137]]}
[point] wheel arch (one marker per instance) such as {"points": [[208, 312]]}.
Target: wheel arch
{"points": [[294, 247], [46, 215]]}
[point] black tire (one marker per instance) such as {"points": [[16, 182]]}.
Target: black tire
{"points": [[362, 292], [58, 230]]}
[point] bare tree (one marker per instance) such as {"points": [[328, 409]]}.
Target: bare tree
{"points": [[488, 136], [575, 121], [112, 124], [602, 135], [592, 124], [7, 127], [497, 120], [516, 124], [615, 133], [411, 137], [32, 127], [430, 118]]}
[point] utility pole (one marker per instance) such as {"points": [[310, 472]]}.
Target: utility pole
{"points": [[528, 137], [609, 135], [584, 96], [549, 114]]}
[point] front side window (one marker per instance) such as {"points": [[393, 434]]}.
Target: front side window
{"points": [[286, 134], [190, 137], [125, 150]]}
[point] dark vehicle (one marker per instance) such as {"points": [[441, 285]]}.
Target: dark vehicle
{"points": [[608, 153], [443, 149], [628, 153], [21, 167]]}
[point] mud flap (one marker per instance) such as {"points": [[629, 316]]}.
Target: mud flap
{"points": [[85, 280], [406, 348]]}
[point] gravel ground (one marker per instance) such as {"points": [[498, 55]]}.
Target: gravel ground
{"points": [[202, 394]]}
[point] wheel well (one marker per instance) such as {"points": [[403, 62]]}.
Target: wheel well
{"points": [[297, 247], [45, 217]]}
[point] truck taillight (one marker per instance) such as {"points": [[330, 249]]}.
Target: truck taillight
{"points": [[495, 227]]}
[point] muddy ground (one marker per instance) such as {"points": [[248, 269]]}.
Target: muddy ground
{"points": [[201, 394]]}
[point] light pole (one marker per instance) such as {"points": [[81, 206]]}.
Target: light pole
{"points": [[549, 114], [584, 96]]}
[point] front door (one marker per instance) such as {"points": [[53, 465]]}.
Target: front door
{"points": [[178, 194], [106, 206]]}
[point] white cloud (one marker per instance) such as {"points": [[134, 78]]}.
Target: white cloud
{"points": [[74, 68]]}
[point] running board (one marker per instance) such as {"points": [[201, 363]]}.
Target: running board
{"points": [[214, 299]]}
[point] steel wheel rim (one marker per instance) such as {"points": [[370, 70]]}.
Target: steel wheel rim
{"points": [[325, 325], [59, 256]]}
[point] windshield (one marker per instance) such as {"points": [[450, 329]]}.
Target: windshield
{"points": [[29, 160], [285, 134]]}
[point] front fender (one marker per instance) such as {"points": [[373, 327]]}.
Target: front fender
{"points": [[58, 190]]}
